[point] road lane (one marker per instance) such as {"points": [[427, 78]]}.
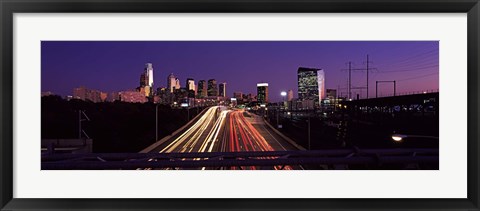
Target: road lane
{"points": [[220, 129]]}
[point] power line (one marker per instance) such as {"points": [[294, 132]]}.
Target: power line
{"points": [[409, 70], [422, 76], [408, 58]]}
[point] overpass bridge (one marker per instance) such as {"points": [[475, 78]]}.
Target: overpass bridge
{"points": [[423, 102], [314, 159]]}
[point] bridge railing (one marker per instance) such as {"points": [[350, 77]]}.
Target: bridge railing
{"points": [[95, 161], [407, 93]]}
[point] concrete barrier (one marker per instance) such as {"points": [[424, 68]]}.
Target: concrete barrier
{"points": [[166, 138]]}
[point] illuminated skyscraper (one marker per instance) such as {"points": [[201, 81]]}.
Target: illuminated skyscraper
{"points": [[171, 83], [177, 84], [311, 85], [222, 88], [262, 92], [146, 81], [149, 74], [202, 89], [190, 85], [212, 87]]}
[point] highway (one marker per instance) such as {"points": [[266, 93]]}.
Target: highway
{"points": [[221, 129]]}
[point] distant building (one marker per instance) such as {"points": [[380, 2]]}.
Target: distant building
{"points": [[113, 96], [190, 85], [311, 86], [202, 89], [132, 97], [165, 96], [103, 96], [290, 95], [48, 93], [149, 74], [177, 84], [249, 97], [212, 87], [86, 94], [262, 92], [143, 80], [146, 81], [331, 94], [238, 95], [222, 88], [171, 82]]}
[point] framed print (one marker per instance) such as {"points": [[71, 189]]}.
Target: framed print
{"points": [[239, 105]]}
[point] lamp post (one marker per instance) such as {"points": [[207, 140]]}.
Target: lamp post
{"points": [[283, 94], [400, 137], [156, 122]]}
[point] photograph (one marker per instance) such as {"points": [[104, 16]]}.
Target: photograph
{"points": [[240, 105]]}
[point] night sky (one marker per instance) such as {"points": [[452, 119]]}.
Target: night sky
{"points": [[117, 65]]}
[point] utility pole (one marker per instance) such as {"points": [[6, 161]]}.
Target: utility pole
{"points": [[156, 122], [349, 80], [368, 68], [367, 74]]}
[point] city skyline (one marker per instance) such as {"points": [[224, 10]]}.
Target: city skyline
{"points": [[115, 66]]}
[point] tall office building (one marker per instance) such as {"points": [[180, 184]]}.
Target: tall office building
{"points": [[190, 85], [202, 89], [177, 84], [143, 80], [212, 87], [290, 95], [146, 81], [222, 88], [311, 85], [171, 82], [262, 92], [149, 74]]}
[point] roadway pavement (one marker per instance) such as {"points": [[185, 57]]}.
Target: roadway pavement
{"points": [[224, 130]]}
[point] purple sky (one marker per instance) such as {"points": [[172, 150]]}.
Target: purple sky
{"points": [[117, 65]]}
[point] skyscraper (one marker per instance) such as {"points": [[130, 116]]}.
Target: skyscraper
{"points": [[146, 81], [143, 80], [149, 74], [262, 92], [171, 83], [222, 88], [190, 85], [177, 84], [202, 89], [212, 87], [311, 85]]}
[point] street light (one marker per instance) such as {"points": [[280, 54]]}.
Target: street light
{"points": [[156, 122], [400, 137], [283, 94]]}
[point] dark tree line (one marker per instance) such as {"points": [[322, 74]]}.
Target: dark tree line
{"points": [[113, 126]]}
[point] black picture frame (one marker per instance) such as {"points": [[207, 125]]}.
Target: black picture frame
{"points": [[9, 7]]}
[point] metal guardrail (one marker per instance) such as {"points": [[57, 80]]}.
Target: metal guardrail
{"points": [[95, 161]]}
